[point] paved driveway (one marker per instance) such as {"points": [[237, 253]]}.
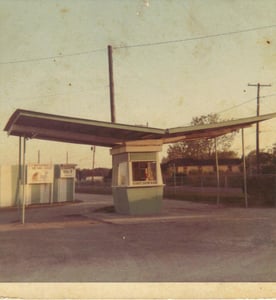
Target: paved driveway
{"points": [[88, 242]]}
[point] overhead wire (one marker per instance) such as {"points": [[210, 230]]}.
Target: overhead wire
{"points": [[146, 45], [52, 57], [196, 38], [140, 45], [240, 104], [76, 92]]}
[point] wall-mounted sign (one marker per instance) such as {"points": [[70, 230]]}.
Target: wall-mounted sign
{"points": [[40, 173], [67, 171]]}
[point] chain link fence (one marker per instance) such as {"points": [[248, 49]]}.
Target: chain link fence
{"points": [[261, 188]]}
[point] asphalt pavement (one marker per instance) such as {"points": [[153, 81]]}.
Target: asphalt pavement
{"points": [[86, 241]]}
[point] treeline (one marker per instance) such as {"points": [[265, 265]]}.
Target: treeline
{"points": [[84, 174]]}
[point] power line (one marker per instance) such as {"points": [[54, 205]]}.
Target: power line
{"points": [[139, 45], [79, 92], [266, 96], [51, 57], [232, 107], [247, 101], [195, 38]]}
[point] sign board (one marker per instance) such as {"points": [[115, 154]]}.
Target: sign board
{"points": [[40, 173], [67, 171]]}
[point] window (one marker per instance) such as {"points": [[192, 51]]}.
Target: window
{"points": [[144, 172], [123, 174]]}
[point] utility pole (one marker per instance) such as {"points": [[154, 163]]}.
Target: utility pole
{"points": [[258, 85], [111, 84], [93, 148]]}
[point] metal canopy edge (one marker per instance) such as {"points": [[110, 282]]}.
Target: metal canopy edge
{"points": [[75, 130], [230, 123], [31, 124]]}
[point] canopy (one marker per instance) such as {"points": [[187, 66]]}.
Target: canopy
{"points": [[31, 124]]}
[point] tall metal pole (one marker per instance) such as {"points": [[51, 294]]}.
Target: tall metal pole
{"points": [[19, 156], [244, 171], [24, 179], [258, 85], [111, 84], [18, 189], [218, 178], [93, 148], [94, 152]]}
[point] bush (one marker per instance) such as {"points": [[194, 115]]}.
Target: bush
{"points": [[262, 188]]}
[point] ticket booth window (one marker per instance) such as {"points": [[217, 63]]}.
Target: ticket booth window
{"points": [[144, 172], [123, 174]]}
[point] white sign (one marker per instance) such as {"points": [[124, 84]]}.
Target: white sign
{"points": [[67, 171], [40, 173]]}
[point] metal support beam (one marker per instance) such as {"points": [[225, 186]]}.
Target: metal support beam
{"points": [[218, 178], [24, 181], [244, 172], [19, 176]]}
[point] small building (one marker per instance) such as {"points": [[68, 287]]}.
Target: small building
{"points": [[36, 184], [201, 166], [137, 184]]}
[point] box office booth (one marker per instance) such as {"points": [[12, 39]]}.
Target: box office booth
{"points": [[137, 185]]}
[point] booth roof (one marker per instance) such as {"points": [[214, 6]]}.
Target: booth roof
{"points": [[44, 126]]}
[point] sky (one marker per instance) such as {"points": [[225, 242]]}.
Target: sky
{"points": [[172, 60]]}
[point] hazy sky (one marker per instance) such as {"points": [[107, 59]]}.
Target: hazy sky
{"points": [[173, 60]]}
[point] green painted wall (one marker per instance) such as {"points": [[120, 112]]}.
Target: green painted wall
{"points": [[64, 189], [8, 185], [35, 193], [138, 200], [14, 184]]}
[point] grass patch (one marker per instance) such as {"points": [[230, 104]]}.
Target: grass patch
{"points": [[255, 199], [261, 193], [93, 189], [200, 197], [106, 209]]}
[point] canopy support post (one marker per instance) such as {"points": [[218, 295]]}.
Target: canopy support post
{"points": [[19, 177], [244, 172], [218, 178], [24, 180]]}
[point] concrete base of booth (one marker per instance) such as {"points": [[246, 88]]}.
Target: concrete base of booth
{"points": [[138, 200]]}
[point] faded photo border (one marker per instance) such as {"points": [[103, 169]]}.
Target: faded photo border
{"points": [[138, 290], [156, 290]]}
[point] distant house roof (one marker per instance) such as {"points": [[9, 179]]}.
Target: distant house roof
{"points": [[201, 162]]}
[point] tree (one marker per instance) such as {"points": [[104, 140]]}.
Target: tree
{"points": [[203, 148], [267, 160], [274, 153]]}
